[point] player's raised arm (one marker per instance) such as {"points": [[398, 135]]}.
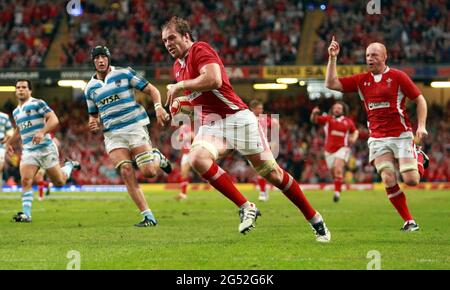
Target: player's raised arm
{"points": [[421, 132], [331, 78], [314, 114]]}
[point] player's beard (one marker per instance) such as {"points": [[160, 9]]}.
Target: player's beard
{"points": [[338, 115]]}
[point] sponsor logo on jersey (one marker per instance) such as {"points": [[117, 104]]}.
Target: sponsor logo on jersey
{"points": [[337, 133], [109, 100], [379, 105]]}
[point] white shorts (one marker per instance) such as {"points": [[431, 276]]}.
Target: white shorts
{"points": [[240, 131], [401, 147], [2, 155], [343, 153], [184, 159], [44, 158], [133, 138]]}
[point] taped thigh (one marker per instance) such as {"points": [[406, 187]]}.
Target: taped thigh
{"points": [[385, 165], [207, 146], [144, 158], [410, 166], [265, 168], [122, 163]]}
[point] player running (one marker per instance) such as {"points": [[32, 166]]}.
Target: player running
{"points": [[226, 124], [383, 91], [340, 132], [266, 124], [35, 120], [6, 131], [111, 105]]}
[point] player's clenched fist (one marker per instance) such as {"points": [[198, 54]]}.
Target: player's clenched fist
{"points": [[94, 124], [333, 49]]}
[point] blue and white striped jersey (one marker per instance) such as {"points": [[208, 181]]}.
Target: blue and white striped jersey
{"points": [[29, 120], [114, 100], [5, 125]]}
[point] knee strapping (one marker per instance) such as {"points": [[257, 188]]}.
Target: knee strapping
{"points": [[122, 163], [408, 167], [385, 165], [143, 158], [265, 168], [206, 145]]}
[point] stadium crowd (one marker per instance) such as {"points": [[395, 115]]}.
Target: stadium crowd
{"points": [[301, 151], [27, 28], [414, 32], [243, 32]]}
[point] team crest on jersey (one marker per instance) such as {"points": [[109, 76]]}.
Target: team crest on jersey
{"points": [[118, 82], [367, 84], [389, 81]]}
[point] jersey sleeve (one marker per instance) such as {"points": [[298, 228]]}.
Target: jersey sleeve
{"points": [[352, 127], [204, 54], [349, 84], [322, 120], [43, 108], [407, 86], [136, 81], [8, 125], [91, 106]]}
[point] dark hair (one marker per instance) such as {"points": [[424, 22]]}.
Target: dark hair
{"points": [[254, 103], [181, 26], [345, 107], [30, 86]]}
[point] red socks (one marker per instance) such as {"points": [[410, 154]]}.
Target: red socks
{"points": [[262, 183], [221, 181], [292, 190], [337, 184], [398, 200], [184, 184]]}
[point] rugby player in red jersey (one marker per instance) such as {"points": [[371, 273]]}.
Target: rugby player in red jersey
{"points": [[340, 133], [383, 91], [226, 124]]}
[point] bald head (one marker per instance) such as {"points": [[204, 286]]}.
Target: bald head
{"points": [[376, 56]]}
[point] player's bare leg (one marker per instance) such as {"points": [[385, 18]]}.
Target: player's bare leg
{"points": [[27, 173], [338, 175], [385, 165], [202, 157], [266, 166], [121, 157], [2, 166]]}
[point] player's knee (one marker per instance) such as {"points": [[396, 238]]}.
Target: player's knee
{"points": [[199, 158], [338, 172], [270, 170], [275, 176], [59, 182], [27, 181], [148, 171], [412, 178], [126, 171]]}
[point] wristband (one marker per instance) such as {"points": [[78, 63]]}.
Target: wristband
{"points": [[157, 105]]}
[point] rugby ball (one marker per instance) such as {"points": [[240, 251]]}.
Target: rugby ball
{"points": [[181, 105]]}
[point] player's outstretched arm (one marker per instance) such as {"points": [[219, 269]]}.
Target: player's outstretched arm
{"points": [[421, 132], [331, 78]]}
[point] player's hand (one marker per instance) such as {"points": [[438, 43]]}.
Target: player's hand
{"points": [[173, 92], [315, 110], [333, 49], [421, 134], [38, 137], [162, 116], [94, 125]]}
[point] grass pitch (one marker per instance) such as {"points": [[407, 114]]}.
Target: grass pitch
{"points": [[202, 232]]}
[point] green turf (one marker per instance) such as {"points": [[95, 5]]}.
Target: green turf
{"points": [[201, 233]]}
